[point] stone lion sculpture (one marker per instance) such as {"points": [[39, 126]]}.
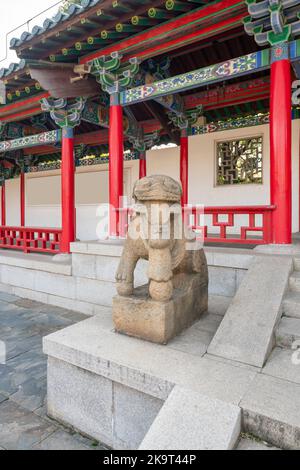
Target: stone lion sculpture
{"points": [[157, 234]]}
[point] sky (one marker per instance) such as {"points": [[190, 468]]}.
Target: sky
{"points": [[14, 13]]}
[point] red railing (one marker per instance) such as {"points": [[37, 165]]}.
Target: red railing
{"points": [[249, 231], [31, 240]]}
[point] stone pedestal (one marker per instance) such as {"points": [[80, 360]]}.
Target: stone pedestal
{"points": [[159, 322]]}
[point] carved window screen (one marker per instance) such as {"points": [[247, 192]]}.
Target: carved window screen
{"points": [[240, 161]]}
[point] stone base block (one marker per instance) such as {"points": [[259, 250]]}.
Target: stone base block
{"points": [[115, 415], [141, 317]]}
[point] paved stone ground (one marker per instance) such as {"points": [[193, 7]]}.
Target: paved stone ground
{"points": [[23, 421]]}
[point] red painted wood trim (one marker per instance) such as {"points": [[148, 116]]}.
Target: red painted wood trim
{"points": [[168, 28], [22, 103], [187, 38], [22, 114]]}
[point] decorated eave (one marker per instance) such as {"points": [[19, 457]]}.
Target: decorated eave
{"points": [[202, 32], [96, 24]]}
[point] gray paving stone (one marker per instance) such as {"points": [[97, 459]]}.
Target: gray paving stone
{"points": [[23, 377], [177, 426], [10, 380], [8, 297], [288, 332], [31, 394], [61, 440], [22, 345], [281, 365], [29, 304], [33, 363], [74, 317], [193, 341], [20, 429]]}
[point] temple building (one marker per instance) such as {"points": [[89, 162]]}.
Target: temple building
{"points": [[200, 91], [153, 342]]}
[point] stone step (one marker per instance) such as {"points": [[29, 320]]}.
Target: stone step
{"points": [[291, 305], [271, 411], [191, 421], [288, 332], [295, 281], [249, 443], [297, 264], [284, 364]]}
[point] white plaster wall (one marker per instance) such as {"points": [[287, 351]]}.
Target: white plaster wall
{"points": [[12, 196], [43, 191]]}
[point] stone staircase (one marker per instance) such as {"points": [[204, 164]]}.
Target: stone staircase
{"points": [[288, 330]]}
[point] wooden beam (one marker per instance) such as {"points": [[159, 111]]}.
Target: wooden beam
{"points": [[196, 20], [158, 113], [250, 63]]}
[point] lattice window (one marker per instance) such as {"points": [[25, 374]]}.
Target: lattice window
{"points": [[240, 161]]}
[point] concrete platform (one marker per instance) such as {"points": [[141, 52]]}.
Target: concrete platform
{"points": [[85, 281], [88, 364]]}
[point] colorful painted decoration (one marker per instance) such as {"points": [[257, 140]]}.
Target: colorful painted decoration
{"points": [[187, 119], [113, 75], [205, 76], [234, 123], [145, 142], [272, 21], [46, 138], [64, 114]]}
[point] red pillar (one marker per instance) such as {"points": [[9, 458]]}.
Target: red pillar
{"points": [[143, 165], [22, 199], [68, 190], [184, 167], [281, 141], [116, 156], [3, 205]]}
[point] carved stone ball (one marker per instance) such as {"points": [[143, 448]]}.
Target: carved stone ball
{"points": [[161, 291], [157, 188]]}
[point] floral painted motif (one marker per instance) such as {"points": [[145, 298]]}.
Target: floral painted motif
{"points": [[207, 75], [51, 137]]}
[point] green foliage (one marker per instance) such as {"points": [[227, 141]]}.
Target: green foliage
{"points": [[67, 3]]}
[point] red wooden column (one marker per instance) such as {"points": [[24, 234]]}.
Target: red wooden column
{"points": [[3, 205], [67, 189], [143, 165], [116, 156], [22, 199], [280, 146], [184, 166]]}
